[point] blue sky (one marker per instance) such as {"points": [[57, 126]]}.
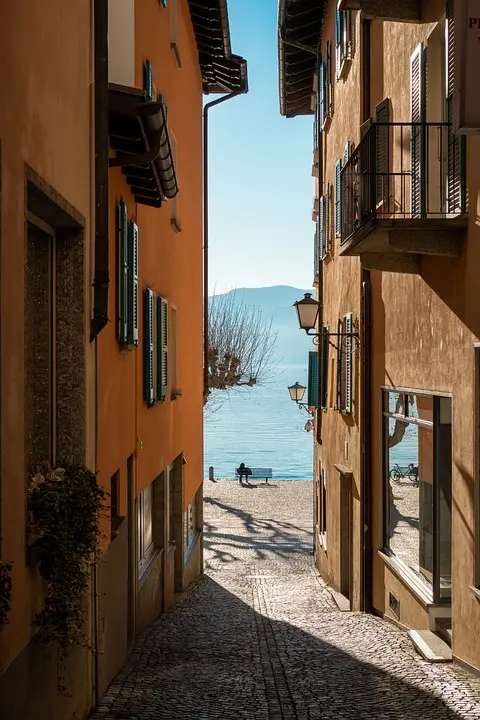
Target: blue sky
{"points": [[261, 189]]}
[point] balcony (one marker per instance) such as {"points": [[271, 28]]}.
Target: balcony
{"points": [[403, 196], [396, 10]]}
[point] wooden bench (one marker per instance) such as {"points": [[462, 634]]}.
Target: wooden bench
{"points": [[258, 474]]}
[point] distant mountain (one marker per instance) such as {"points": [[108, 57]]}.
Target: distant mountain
{"points": [[276, 304]]}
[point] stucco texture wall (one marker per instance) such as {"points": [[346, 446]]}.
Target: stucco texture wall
{"points": [[424, 329], [341, 295], [45, 123]]}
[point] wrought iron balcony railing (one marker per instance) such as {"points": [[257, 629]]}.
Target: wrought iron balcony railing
{"points": [[402, 172]]}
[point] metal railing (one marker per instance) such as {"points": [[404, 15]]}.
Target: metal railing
{"points": [[403, 171]]}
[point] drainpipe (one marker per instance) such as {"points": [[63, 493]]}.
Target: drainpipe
{"points": [[206, 108], [101, 278], [366, 379]]}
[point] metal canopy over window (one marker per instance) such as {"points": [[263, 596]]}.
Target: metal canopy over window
{"points": [[299, 30], [221, 70], [139, 136]]}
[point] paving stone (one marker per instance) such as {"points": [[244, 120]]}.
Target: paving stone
{"points": [[259, 637]]}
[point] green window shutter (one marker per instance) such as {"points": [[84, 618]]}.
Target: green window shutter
{"points": [[324, 369], [164, 3], [148, 79], [347, 152], [122, 273], [417, 136], [312, 393], [348, 361], [338, 169], [162, 348], [339, 398], [328, 219], [132, 331], [338, 42], [148, 347], [316, 249], [328, 83]]}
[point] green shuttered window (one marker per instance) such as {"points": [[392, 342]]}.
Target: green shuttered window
{"points": [[122, 273], [148, 80], [162, 348], [132, 276], [149, 347], [344, 39], [344, 395], [313, 378], [325, 93]]}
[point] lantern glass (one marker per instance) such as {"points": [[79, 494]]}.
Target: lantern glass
{"points": [[297, 392], [307, 312]]}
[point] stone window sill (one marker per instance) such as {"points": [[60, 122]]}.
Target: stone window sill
{"points": [[420, 591]]}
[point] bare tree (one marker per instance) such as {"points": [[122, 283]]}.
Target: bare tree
{"points": [[240, 344]]}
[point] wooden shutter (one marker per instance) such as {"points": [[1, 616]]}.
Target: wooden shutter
{"points": [[321, 232], [338, 42], [148, 345], [321, 95], [328, 219], [324, 369], [382, 115], [456, 192], [122, 273], [338, 223], [132, 331], [417, 137], [347, 152], [148, 79], [312, 391], [348, 362], [339, 393], [316, 247], [162, 348], [328, 83]]}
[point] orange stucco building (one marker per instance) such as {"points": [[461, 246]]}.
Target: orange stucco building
{"points": [[102, 190]]}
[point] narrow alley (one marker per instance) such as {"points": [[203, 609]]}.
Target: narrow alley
{"points": [[260, 637]]}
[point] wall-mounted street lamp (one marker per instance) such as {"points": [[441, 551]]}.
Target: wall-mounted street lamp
{"points": [[307, 313], [297, 392]]}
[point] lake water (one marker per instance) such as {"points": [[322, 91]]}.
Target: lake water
{"points": [[261, 427]]}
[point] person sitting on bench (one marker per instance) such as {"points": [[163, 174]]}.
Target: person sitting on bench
{"points": [[243, 470]]}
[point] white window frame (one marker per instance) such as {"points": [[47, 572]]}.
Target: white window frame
{"points": [[145, 528]]}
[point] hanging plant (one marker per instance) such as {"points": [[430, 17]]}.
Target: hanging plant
{"points": [[5, 592], [64, 507]]}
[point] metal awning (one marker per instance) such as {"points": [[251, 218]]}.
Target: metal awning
{"points": [[221, 70], [138, 132], [299, 32]]}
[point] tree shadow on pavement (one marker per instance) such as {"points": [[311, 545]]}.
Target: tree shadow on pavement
{"points": [[214, 655]]}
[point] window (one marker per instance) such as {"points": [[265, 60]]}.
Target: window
{"points": [[155, 347], [338, 224], [173, 364], [312, 391], [170, 490], [323, 506], [127, 279], [324, 369], [145, 543], [324, 222], [417, 450], [418, 79], [148, 84], [344, 401], [325, 92], [344, 40]]}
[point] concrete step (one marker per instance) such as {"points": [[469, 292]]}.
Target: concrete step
{"points": [[443, 626], [430, 646]]}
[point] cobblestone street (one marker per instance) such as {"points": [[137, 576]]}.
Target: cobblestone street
{"points": [[259, 636]]}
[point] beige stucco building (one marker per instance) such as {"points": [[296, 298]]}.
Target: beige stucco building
{"points": [[396, 248]]}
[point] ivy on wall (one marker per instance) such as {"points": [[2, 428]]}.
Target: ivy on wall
{"points": [[64, 508]]}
